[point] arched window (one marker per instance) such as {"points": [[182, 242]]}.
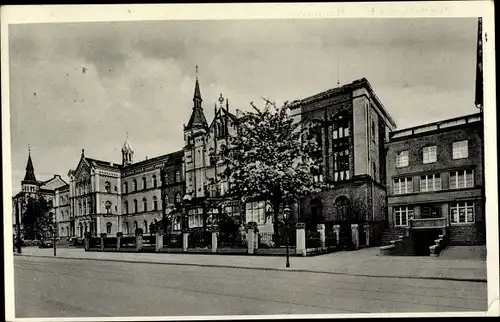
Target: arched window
{"points": [[134, 182], [125, 205], [177, 197], [155, 203], [340, 146], [125, 187], [107, 186], [67, 231], [177, 176], [145, 226], [86, 228], [62, 231], [108, 228], [135, 206], [166, 200], [108, 206], [135, 226], [155, 182], [144, 185], [144, 204], [80, 208], [126, 228], [89, 205], [342, 208], [80, 228]]}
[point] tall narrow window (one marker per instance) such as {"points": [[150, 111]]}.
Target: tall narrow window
{"points": [[144, 185], [177, 197], [107, 186], [177, 176], [144, 204], [429, 154], [134, 182], [125, 187], [155, 182], [108, 228], [145, 226], [402, 159], [460, 149], [135, 206], [340, 147], [125, 204], [155, 203], [108, 207], [135, 226], [127, 230]]}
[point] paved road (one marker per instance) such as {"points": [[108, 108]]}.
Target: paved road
{"points": [[54, 287]]}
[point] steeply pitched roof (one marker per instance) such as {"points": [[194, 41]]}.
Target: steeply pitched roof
{"points": [[197, 118], [102, 163], [30, 170]]}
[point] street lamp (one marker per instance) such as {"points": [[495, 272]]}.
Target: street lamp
{"points": [[286, 216]]}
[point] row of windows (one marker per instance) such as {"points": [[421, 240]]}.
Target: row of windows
{"points": [[29, 189], [136, 207], [460, 213], [429, 154], [154, 182], [433, 182]]}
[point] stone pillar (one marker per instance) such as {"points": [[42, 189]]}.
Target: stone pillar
{"points": [[118, 240], [159, 242], [185, 241], [300, 246], [355, 235], [98, 224], [215, 234], [336, 229], [367, 229], [138, 240], [102, 241], [250, 240], [256, 238], [322, 236]]}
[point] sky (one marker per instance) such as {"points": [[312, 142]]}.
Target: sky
{"points": [[77, 86]]}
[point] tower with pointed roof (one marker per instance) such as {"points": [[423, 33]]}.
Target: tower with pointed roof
{"points": [[127, 153], [29, 184]]}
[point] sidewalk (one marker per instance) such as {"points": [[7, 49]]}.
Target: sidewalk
{"points": [[363, 262]]}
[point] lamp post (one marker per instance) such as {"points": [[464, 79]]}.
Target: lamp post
{"points": [[286, 215], [54, 232]]}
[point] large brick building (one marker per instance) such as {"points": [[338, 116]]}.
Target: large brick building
{"points": [[435, 177], [351, 126]]}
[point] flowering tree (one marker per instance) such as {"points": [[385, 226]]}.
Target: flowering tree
{"points": [[270, 160]]}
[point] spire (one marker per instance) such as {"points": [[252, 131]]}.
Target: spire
{"points": [[197, 118], [127, 152], [30, 170]]}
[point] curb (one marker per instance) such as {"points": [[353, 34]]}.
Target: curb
{"points": [[475, 280]]}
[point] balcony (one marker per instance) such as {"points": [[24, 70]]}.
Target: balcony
{"points": [[428, 223]]}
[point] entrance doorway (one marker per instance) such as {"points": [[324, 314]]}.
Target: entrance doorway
{"points": [[423, 239]]}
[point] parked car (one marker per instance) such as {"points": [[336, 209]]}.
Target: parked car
{"points": [[46, 244]]}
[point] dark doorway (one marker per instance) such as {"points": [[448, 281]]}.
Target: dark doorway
{"points": [[316, 215], [423, 239]]}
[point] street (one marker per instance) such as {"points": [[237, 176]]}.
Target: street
{"points": [[55, 287]]}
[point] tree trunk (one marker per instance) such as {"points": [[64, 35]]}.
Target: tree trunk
{"points": [[276, 208]]}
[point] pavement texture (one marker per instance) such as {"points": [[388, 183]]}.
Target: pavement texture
{"points": [[464, 252], [55, 287], [363, 262]]}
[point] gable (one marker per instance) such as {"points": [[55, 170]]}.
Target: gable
{"points": [[82, 172], [53, 183]]}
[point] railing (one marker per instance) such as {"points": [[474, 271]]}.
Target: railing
{"points": [[428, 223]]}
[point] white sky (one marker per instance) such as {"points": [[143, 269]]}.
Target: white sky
{"points": [[140, 77]]}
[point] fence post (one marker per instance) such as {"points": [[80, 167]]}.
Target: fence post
{"points": [[138, 239], [355, 235], [300, 240], [215, 233], [118, 240], [322, 238], [251, 236], [336, 229], [185, 241], [256, 238], [366, 227], [159, 242], [103, 235]]}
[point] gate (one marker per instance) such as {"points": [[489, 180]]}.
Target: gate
{"points": [[345, 240]]}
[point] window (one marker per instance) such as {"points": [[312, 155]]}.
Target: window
{"points": [[134, 182], [177, 176], [430, 182], [429, 154], [403, 185], [166, 200], [144, 204], [108, 228], [107, 186], [460, 149], [402, 159], [177, 223], [144, 185], [462, 213], [340, 147], [155, 182], [127, 231], [462, 179], [431, 211], [135, 226], [145, 226], [155, 203], [177, 197], [89, 205], [402, 215], [108, 207], [126, 206], [125, 187], [256, 211], [135, 206], [116, 188], [195, 217], [80, 208]]}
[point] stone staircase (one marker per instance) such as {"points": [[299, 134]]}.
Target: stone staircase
{"points": [[392, 233]]}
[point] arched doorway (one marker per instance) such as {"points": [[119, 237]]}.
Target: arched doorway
{"points": [[344, 219], [316, 215]]}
